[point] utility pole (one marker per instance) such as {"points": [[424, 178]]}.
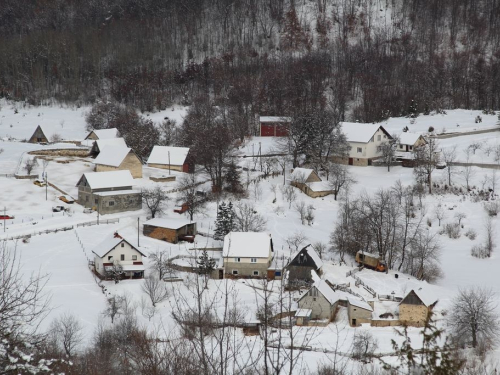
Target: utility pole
{"points": [[46, 184], [4, 217], [168, 163], [137, 232], [98, 201]]}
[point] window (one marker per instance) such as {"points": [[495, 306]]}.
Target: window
{"points": [[400, 146], [360, 150], [379, 148], [256, 273], [314, 299], [110, 258], [411, 147], [235, 272], [277, 273], [96, 200], [379, 137], [123, 244], [87, 198], [122, 257], [253, 260], [134, 257], [237, 260], [111, 203]]}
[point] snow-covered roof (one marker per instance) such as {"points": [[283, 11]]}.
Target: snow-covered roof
{"points": [[112, 142], [319, 186], [112, 156], [247, 245], [117, 192], [359, 132], [108, 244], [301, 174], [113, 179], [313, 254], [275, 119], [160, 155], [407, 138], [106, 133], [426, 296], [358, 303], [303, 313], [49, 130], [326, 291], [168, 223]]}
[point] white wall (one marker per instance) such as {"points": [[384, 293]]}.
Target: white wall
{"points": [[116, 253], [369, 150]]}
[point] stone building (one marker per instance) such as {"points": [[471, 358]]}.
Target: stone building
{"points": [[172, 158], [117, 158], [170, 230], [300, 267], [414, 309], [247, 254], [108, 192], [359, 312], [321, 299]]}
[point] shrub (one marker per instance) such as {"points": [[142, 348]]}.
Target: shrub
{"points": [[479, 251], [452, 230], [492, 208], [431, 129], [471, 234]]}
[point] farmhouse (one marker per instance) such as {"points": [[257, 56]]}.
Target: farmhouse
{"points": [[310, 183], [300, 267], [115, 251], [108, 192], [100, 144], [273, 126], [321, 299], [171, 158], [358, 312], [247, 253], [103, 134], [118, 158], [408, 141], [414, 309], [170, 230], [365, 141]]}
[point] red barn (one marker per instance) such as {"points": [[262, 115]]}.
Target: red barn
{"points": [[274, 126]]}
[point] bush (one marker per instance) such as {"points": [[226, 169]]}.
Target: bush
{"points": [[431, 129], [479, 251], [492, 208], [452, 230], [471, 234]]}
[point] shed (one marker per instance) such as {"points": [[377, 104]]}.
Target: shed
{"points": [[303, 316], [415, 307], [310, 183], [114, 158], [408, 141], [170, 230], [273, 126], [300, 266], [172, 158], [358, 311]]}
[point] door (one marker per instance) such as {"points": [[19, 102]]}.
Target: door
{"points": [[221, 274], [351, 161], [354, 322], [266, 130], [281, 131]]}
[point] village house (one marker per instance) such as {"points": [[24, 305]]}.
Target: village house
{"points": [[247, 254], [118, 158], [415, 308], [273, 126], [108, 192], [409, 141], [300, 267], [321, 300], [100, 144], [96, 134], [308, 181], [171, 158], [358, 312], [170, 230], [365, 141], [115, 251]]}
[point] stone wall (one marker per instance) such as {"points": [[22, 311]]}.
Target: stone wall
{"points": [[385, 323], [246, 269], [130, 163], [80, 152], [413, 315]]}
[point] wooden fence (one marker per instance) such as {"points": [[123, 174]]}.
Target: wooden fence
{"points": [[95, 222]]}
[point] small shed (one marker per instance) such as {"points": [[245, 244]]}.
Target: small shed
{"points": [[117, 158], [39, 136], [274, 126], [170, 230], [300, 266], [415, 307], [358, 311], [310, 183], [172, 158], [303, 316]]}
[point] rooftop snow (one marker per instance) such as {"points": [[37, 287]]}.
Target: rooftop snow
{"points": [[358, 303], [112, 156], [326, 291], [247, 245], [300, 174], [358, 132], [303, 313], [168, 223], [160, 155], [109, 244], [275, 119], [319, 186], [115, 142], [106, 133], [407, 138], [114, 179], [426, 296], [313, 254]]}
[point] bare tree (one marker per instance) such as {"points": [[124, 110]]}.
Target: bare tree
{"points": [[460, 216], [155, 289], [289, 193], [158, 261], [450, 157], [274, 189], [187, 194], [154, 199], [364, 346], [29, 165], [115, 272], [247, 219], [473, 319], [489, 243], [310, 214], [56, 137], [340, 178], [475, 146], [300, 207], [320, 248], [426, 158], [114, 307], [388, 149], [294, 241], [440, 213], [67, 334], [468, 171]]}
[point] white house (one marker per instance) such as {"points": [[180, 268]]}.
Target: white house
{"points": [[117, 251], [174, 158], [408, 141], [365, 141], [247, 253]]}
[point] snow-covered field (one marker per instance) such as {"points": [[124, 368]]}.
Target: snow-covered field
{"points": [[65, 260]]}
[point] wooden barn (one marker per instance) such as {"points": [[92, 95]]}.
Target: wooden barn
{"points": [[300, 267], [171, 158], [273, 126], [170, 230], [39, 136]]}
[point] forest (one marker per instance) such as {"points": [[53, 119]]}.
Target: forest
{"points": [[362, 60]]}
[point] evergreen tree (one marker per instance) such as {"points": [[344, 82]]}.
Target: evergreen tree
{"points": [[206, 265], [232, 179], [225, 221]]}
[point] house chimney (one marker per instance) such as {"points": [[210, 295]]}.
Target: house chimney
{"points": [[116, 235]]}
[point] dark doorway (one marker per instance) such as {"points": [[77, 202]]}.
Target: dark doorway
{"points": [[221, 274], [351, 161]]}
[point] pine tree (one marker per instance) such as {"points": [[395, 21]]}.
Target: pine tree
{"points": [[206, 265], [224, 223], [233, 183]]}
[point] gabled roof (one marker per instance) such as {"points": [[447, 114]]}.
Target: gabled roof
{"points": [[103, 180], [112, 142], [50, 130], [320, 186], [428, 298], [109, 244], [162, 155], [274, 119], [326, 291], [168, 223], [301, 174], [106, 133], [361, 133], [407, 138], [247, 245], [311, 253], [112, 156], [358, 303]]}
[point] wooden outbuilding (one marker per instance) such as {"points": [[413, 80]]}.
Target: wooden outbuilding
{"points": [[300, 267], [103, 134], [170, 230], [274, 126], [171, 158], [310, 183], [39, 136]]}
